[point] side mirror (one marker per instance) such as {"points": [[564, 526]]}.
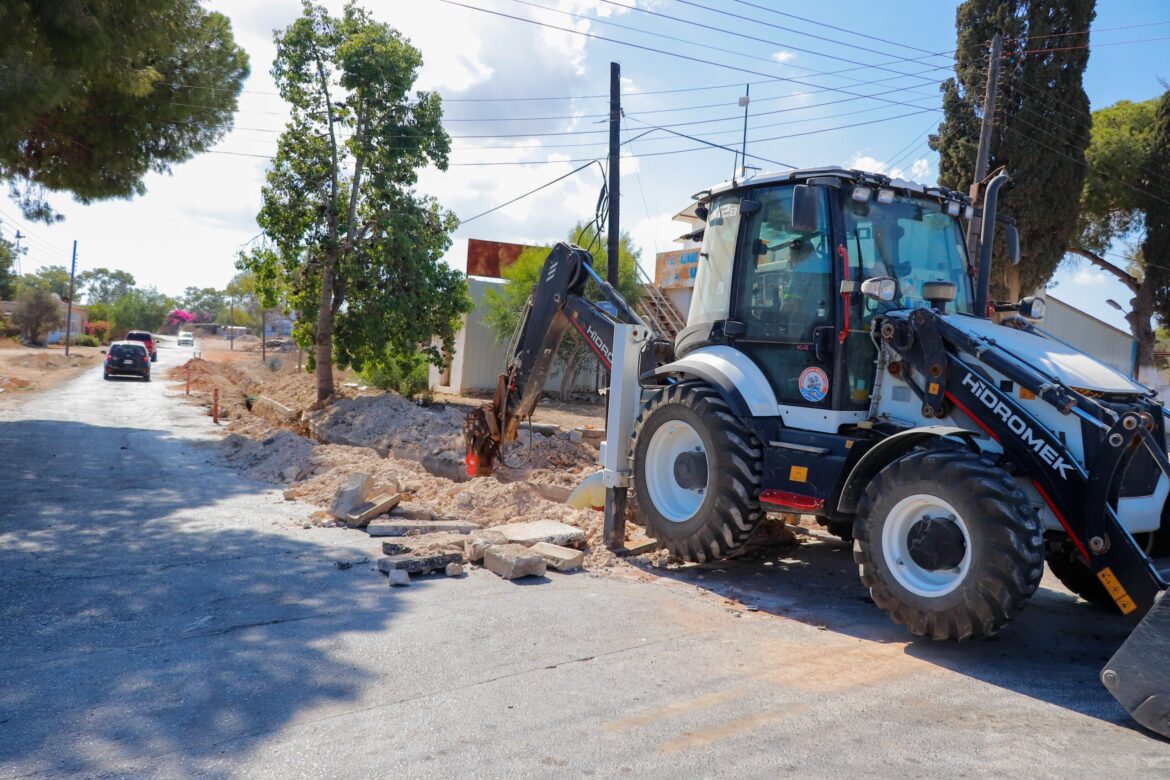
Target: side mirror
{"points": [[806, 209], [884, 288], [701, 212], [1031, 308], [1012, 236]]}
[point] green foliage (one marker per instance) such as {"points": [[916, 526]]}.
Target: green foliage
{"points": [[505, 307], [408, 375], [205, 303], [85, 340], [96, 95], [102, 285], [99, 312], [52, 278], [140, 310], [353, 249], [1156, 205], [99, 329], [1042, 119], [37, 312], [7, 264]]}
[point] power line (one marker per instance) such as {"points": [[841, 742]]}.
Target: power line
{"points": [[676, 55], [1087, 46], [846, 30], [746, 36], [530, 192]]}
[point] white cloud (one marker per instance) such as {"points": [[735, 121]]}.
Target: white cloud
{"points": [[653, 234], [920, 170], [784, 56], [1088, 277]]}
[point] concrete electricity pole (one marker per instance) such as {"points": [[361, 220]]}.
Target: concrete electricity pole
{"points": [[69, 300], [984, 153]]}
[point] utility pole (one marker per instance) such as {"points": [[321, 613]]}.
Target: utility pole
{"points": [[614, 524], [615, 174], [232, 327], [69, 300], [18, 236], [744, 101], [263, 336], [981, 158]]}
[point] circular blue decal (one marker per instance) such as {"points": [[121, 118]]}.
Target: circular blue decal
{"points": [[814, 384]]}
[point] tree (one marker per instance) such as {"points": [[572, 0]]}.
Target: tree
{"points": [[244, 302], [205, 303], [1155, 248], [7, 262], [140, 310], [96, 95], [1042, 123], [104, 286], [506, 306], [353, 248], [1114, 204], [37, 312], [54, 278]]}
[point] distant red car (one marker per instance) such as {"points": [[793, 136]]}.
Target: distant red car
{"points": [[146, 337]]}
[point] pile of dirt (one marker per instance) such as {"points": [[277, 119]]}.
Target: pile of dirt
{"points": [[282, 457], [392, 423]]}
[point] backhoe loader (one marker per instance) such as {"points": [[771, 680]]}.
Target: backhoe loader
{"points": [[840, 360]]}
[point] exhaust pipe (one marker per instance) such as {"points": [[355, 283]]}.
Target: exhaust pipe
{"points": [[987, 243]]}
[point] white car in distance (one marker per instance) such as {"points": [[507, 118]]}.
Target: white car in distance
{"points": [[186, 339]]}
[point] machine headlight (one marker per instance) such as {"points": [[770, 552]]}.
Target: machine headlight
{"points": [[861, 193], [953, 208], [885, 196]]}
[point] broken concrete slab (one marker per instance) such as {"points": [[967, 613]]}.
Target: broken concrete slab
{"points": [[411, 511], [394, 527], [445, 467], [363, 513], [351, 493], [454, 569], [398, 577], [559, 558], [480, 540], [549, 531], [512, 561], [418, 563]]}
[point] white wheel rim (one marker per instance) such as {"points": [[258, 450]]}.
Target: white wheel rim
{"points": [[674, 502], [896, 548]]}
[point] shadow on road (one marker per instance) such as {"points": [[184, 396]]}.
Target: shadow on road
{"points": [[1053, 652], [151, 610]]}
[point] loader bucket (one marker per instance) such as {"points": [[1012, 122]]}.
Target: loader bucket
{"points": [[1138, 674]]}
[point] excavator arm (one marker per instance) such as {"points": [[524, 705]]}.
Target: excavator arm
{"points": [[557, 304]]}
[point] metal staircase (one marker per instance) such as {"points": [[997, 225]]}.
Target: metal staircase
{"points": [[657, 308]]}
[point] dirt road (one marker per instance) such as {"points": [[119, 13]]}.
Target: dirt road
{"points": [[161, 616]]}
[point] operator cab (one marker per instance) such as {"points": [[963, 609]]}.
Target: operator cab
{"points": [[781, 268]]}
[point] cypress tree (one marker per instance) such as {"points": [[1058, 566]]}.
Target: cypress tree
{"points": [[1041, 127]]}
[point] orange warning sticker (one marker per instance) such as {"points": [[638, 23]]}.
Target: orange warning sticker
{"points": [[1116, 591], [933, 388], [798, 474], [1026, 394]]}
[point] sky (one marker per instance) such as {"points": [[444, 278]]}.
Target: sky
{"points": [[525, 103]]}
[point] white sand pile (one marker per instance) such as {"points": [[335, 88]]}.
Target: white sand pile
{"points": [[282, 457]]}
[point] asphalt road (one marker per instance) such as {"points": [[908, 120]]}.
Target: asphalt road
{"points": [[162, 617]]}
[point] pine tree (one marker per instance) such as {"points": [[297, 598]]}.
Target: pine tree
{"points": [[1041, 126], [1155, 249]]}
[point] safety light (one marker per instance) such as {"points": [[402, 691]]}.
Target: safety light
{"points": [[885, 196], [969, 212], [861, 193], [953, 208], [472, 463]]}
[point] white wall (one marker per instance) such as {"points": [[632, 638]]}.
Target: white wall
{"points": [[1099, 340]]}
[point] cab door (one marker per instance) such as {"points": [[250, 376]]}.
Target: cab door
{"points": [[783, 302]]}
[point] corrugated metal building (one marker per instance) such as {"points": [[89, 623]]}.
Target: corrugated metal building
{"points": [[479, 357], [1112, 346]]}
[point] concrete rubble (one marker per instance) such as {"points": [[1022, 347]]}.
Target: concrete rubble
{"points": [[415, 563], [351, 494], [559, 558], [392, 526], [363, 513], [513, 561], [549, 531]]}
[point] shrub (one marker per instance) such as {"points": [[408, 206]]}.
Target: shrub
{"points": [[85, 340], [99, 329], [274, 364], [409, 375]]}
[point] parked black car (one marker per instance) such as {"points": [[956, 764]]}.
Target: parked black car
{"points": [[127, 357]]}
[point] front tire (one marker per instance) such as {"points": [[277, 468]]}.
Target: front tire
{"points": [[948, 545], [696, 473]]}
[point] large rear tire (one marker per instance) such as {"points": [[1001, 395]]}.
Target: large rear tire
{"points": [[696, 473], [948, 545]]}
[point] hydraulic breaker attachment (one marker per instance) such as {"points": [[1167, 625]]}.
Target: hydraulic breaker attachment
{"points": [[1138, 674]]}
